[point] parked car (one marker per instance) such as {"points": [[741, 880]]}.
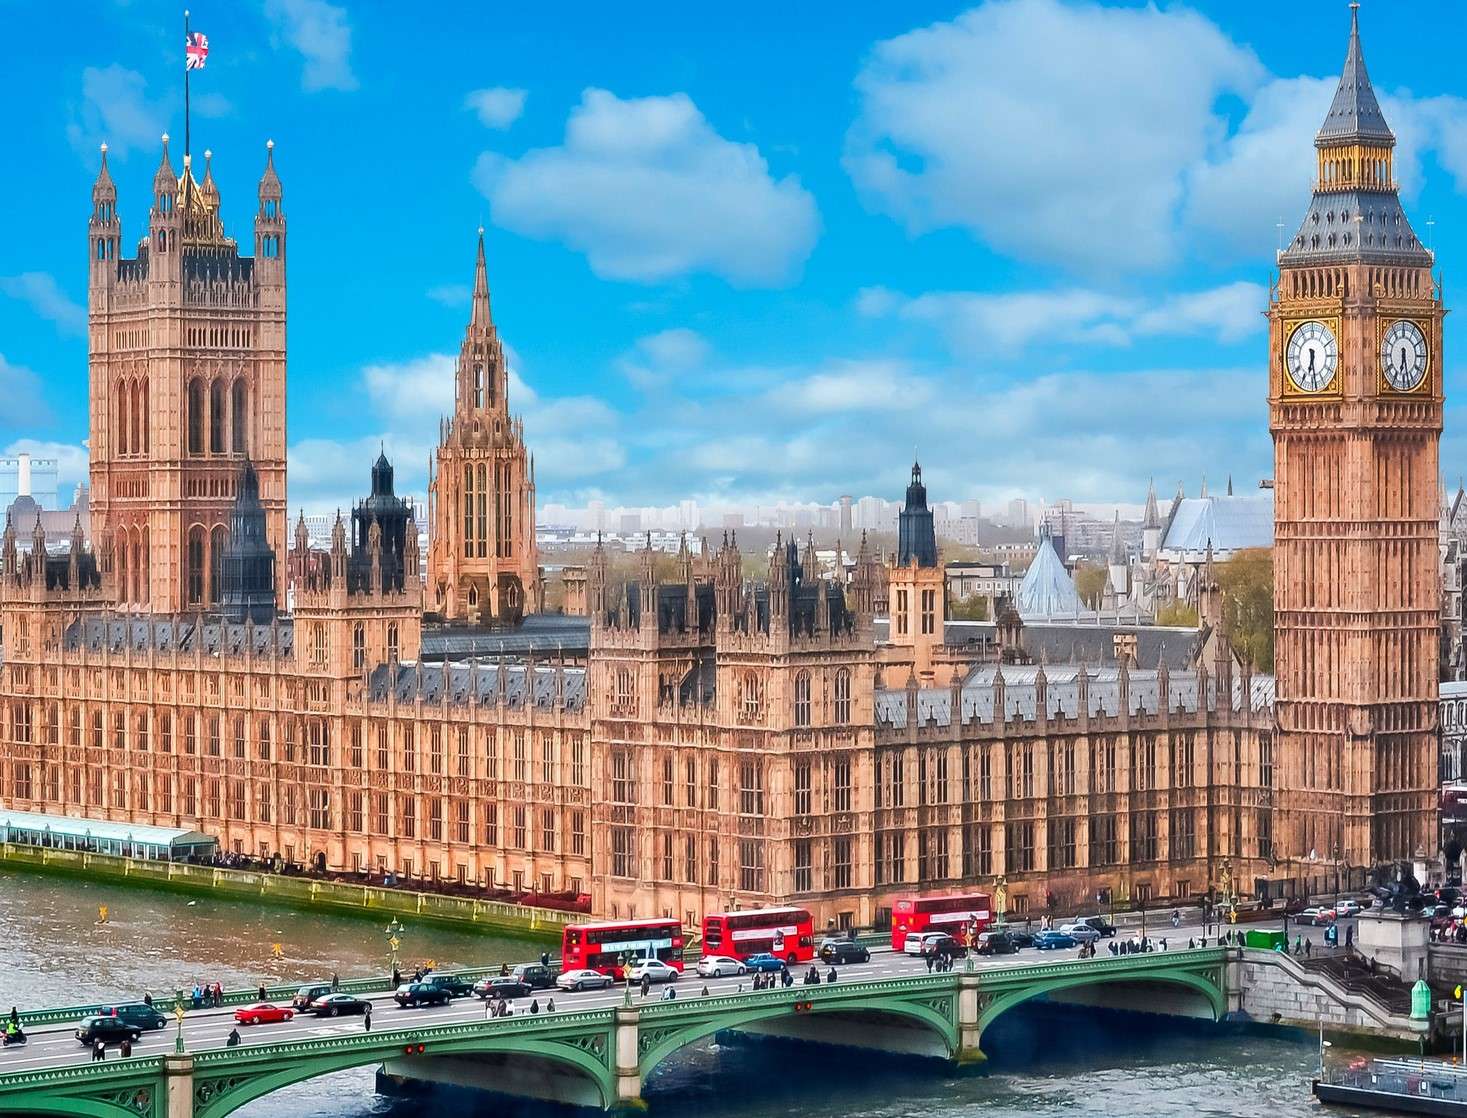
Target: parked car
{"points": [[109, 1030], [913, 944], [1020, 937], [764, 962], [583, 980], [263, 1014], [1080, 932], [653, 970], [1347, 907], [844, 951], [534, 975], [307, 995], [140, 1014], [1099, 923], [412, 994], [1054, 941], [1316, 915], [456, 985], [940, 945], [338, 1005], [996, 943], [720, 966], [502, 986]]}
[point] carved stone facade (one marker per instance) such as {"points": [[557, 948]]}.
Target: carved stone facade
{"points": [[1355, 406], [483, 564], [187, 355]]}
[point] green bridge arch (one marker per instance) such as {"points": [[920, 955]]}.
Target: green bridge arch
{"points": [[661, 1035], [1206, 982]]}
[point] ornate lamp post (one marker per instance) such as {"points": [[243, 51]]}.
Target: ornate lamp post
{"points": [[178, 1016], [394, 933]]}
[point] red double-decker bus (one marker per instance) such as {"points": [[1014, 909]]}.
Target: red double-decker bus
{"points": [[784, 932], [958, 914], [599, 946]]}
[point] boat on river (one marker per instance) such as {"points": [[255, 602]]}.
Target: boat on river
{"points": [[1400, 1086]]}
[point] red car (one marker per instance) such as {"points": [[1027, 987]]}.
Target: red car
{"points": [[263, 1014]]}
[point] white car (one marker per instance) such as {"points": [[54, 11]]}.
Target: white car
{"points": [[720, 966], [653, 970], [583, 980], [1347, 907], [1080, 932], [918, 943]]}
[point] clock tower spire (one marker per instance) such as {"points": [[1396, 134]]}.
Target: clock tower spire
{"points": [[1355, 407]]}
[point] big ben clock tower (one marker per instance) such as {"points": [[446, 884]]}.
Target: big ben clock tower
{"points": [[1355, 407]]}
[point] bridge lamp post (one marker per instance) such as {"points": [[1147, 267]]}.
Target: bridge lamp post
{"points": [[394, 933]]}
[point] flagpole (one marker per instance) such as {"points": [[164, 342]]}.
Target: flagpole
{"points": [[185, 87]]}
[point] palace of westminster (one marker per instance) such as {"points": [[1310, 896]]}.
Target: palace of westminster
{"points": [[690, 741]]}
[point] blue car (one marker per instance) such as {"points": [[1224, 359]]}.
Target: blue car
{"points": [[1051, 941], [764, 962]]}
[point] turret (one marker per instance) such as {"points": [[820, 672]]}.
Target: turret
{"points": [[1150, 524], [779, 586], [338, 551], [165, 223], [105, 228], [270, 228]]}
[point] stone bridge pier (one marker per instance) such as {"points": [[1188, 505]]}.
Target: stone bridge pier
{"points": [[626, 1052]]}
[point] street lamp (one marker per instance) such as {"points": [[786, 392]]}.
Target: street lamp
{"points": [[394, 933]]}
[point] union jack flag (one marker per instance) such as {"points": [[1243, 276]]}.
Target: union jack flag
{"points": [[196, 50]]}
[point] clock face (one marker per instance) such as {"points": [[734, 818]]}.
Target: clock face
{"points": [[1312, 356], [1403, 356]]}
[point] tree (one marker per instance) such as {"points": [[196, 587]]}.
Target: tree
{"points": [[972, 608], [1179, 614], [1090, 584], [1246, 581]]}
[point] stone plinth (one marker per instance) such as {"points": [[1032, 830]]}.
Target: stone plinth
{"points": [[1396, 942]]}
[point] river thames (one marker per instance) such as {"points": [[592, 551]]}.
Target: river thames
{"points": [[1043, 1061]]}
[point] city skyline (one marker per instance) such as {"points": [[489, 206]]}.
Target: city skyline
{"points": [[733, 373]]}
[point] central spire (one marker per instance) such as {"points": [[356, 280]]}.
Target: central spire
{"points": [[480, 316], [1355, 114]]}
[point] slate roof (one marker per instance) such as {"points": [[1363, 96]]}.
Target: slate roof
{"points": [[1228, 523], [978, 695], [99, 632], [540, 634], [1355, 112], [1047, 589], [454, 682]]}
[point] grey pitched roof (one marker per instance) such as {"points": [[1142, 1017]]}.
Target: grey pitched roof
{"points": [[1228, 524], [540, 634], [117, 633], [1330, 231], [1355, 112], [1047, 589], [454, 683], [979, 695]]}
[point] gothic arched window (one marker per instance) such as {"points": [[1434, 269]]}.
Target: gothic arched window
{"points": [[392, 643], [195, 566], [478, 385], [216, 562], [843, 696], [358, 647], [239, 428], [119, 415], [216, 418], [196, 416], [802, 699]]}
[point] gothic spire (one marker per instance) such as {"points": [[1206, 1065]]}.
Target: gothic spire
{"points": [[1153, 515], [481, 317], [1354, 115]]}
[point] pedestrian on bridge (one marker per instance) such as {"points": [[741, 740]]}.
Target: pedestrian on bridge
{"points": [[262, 991], [99, 1050], [335, 982], [232, 1041], [646, 984], [367, 1018], [125, 1048]]}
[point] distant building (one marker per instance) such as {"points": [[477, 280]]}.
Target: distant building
{"points": [[22, 475]]}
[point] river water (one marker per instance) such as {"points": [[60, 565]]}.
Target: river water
{"points": [[1043, 1061]]}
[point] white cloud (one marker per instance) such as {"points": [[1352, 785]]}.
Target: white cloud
{"points": [[855, 386], [1058, 132], [44, 296], [451, 294], [498, 107], [115, 109], [22, 398], [659, 358], [321, 33], [649, 191], [417, 388], [980, 323]]}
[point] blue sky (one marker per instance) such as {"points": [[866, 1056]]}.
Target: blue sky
{"points": [[755, 255]]}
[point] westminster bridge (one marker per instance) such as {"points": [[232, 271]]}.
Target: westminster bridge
{"points": [[597, 1048]]}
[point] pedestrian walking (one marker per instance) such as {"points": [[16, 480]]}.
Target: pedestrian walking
{"points": [[335, 982], [367, 1018], [148, 1000], [396, 978], [646, 984], [218, 993], [831, 976], [125, 1048], [544, 958], [928, 959], [232, 1041], [1308, 944], [261, 991], [99, 1050]]}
